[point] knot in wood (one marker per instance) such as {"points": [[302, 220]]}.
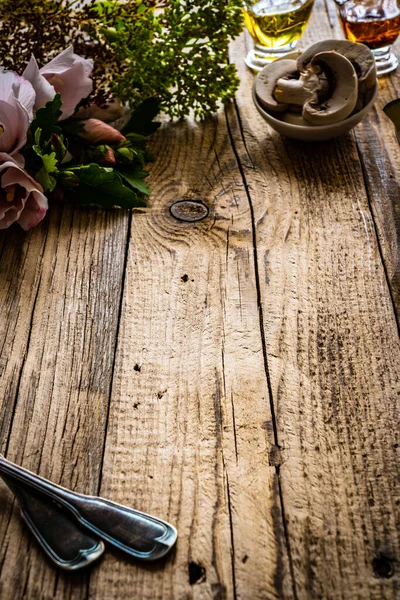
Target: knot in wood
{"points": [[189, 210]]}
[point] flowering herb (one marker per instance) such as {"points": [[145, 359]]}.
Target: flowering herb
{"points": [[175, 50]]}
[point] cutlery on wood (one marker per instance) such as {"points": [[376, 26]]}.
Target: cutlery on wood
{"points": [[64, 540], [139, 534]]}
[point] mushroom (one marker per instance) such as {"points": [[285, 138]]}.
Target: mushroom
{"points": [[325, 85], [344, 85], [311, 86], [294, 119], [359, 55], [266, 81]]}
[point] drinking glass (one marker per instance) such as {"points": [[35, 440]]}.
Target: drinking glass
{"points": [[275, 26], [375, 24]]}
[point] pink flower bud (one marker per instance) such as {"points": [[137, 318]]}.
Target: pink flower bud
{"points": [[108, 159], [57, 195], [98, 132]]}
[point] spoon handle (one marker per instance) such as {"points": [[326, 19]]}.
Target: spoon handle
{"points": [[64, 540], [137, 533]]}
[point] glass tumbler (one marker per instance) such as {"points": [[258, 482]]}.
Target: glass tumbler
{"points": [[275, 26], [375, 23]]}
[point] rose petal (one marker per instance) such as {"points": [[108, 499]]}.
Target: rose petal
{"points": [[4, 158], [67, 74], [31, 207], [25, 94], [14, 123], [61, 63], [35, 210], [44, 91], [16, 175], [7, 80], [18, 158], [73, 85], [14, 86], [9, 213], [64, 61]]}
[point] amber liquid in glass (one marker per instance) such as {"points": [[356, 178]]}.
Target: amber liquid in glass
{"points": [[277, 24], [376, 26]]}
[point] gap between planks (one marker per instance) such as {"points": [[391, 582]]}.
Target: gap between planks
{"points": [[262, 333]]}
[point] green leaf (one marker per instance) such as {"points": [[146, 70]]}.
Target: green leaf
{"points": [[178, 53], [72, 127], [134, 176], [46, 120], [44, 175], [37, 136], [141, 120], [136, 139], [104, 187], [57, 145]]}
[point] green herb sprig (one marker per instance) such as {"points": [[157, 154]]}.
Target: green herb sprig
{"points": [[67, 168], [177, 50]]}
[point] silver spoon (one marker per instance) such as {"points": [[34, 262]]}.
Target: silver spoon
{"points": [[130, 530], [64, 540]]}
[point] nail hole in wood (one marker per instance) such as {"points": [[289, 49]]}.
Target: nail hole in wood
{"points": [[197, 573], [137, 368], [185, 278], [218, 591], [189, 210], [275, 456], [383, 567]]}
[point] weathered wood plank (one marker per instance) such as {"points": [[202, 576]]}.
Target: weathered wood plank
{"points": [[60, 292], [188, 435], [380, 156], [209, 328], [333, 356]]}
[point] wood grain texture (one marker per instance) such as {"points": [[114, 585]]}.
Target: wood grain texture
{"points": [[333, 355], [379, 154], [188, 435], [238, 377], [60, 289]]}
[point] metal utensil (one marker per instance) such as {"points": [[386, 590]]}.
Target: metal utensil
{"points": [[64, 540], [132, 531]]}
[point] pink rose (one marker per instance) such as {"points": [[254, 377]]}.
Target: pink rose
{"points": [[98, 132], [67, 74], [17, 98], [21, 197]]}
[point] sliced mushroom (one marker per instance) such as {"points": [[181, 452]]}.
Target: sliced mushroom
{"points": [[294, 119], [311, 86], [266, 81], [358, 54], [343, 82]]}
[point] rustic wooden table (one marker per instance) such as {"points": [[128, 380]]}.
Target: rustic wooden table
{"points": [[236, 376]]}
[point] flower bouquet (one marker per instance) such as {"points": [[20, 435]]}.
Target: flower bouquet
{"points": [[56, 135], [53, 146]]}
